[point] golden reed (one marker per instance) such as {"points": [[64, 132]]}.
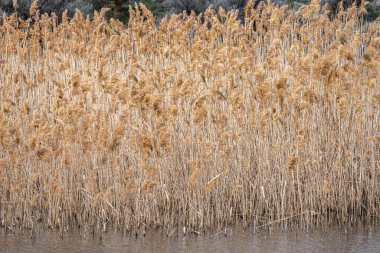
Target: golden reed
{"points": [[200, 122]]}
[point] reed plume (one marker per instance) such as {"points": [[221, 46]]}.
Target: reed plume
{"points": [[203, 121]]}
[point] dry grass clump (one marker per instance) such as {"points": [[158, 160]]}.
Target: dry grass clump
{"points": [[202, 122]]}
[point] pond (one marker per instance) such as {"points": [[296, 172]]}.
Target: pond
{"points": [[328, 239]]}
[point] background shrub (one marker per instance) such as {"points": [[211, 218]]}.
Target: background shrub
{"points": [[120, 8]]}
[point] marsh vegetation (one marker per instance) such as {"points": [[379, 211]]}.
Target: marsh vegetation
{"points": [[200, 122]]}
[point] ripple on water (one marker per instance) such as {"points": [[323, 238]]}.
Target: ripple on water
{"points": [[319, 240]]}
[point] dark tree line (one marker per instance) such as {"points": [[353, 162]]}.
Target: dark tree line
{"points": [[120, 8]]}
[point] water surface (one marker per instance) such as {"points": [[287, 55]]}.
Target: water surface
{"points": [[331, 239]]}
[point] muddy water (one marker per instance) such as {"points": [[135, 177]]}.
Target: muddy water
{"points": [[332, 239]]}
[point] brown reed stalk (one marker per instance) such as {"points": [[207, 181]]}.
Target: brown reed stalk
{"points": [[189, 124]]}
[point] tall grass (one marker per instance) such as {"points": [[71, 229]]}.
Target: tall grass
{"points": [[202, 122]]}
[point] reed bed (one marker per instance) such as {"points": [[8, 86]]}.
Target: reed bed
{"points": [[202, 122]]}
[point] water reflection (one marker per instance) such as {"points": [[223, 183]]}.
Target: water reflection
{"points": [[334, 239]]}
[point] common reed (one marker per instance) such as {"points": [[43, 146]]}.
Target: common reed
{"points": [[197, 123]]}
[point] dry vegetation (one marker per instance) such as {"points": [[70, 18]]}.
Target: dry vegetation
{"points": [[198, 123]]}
